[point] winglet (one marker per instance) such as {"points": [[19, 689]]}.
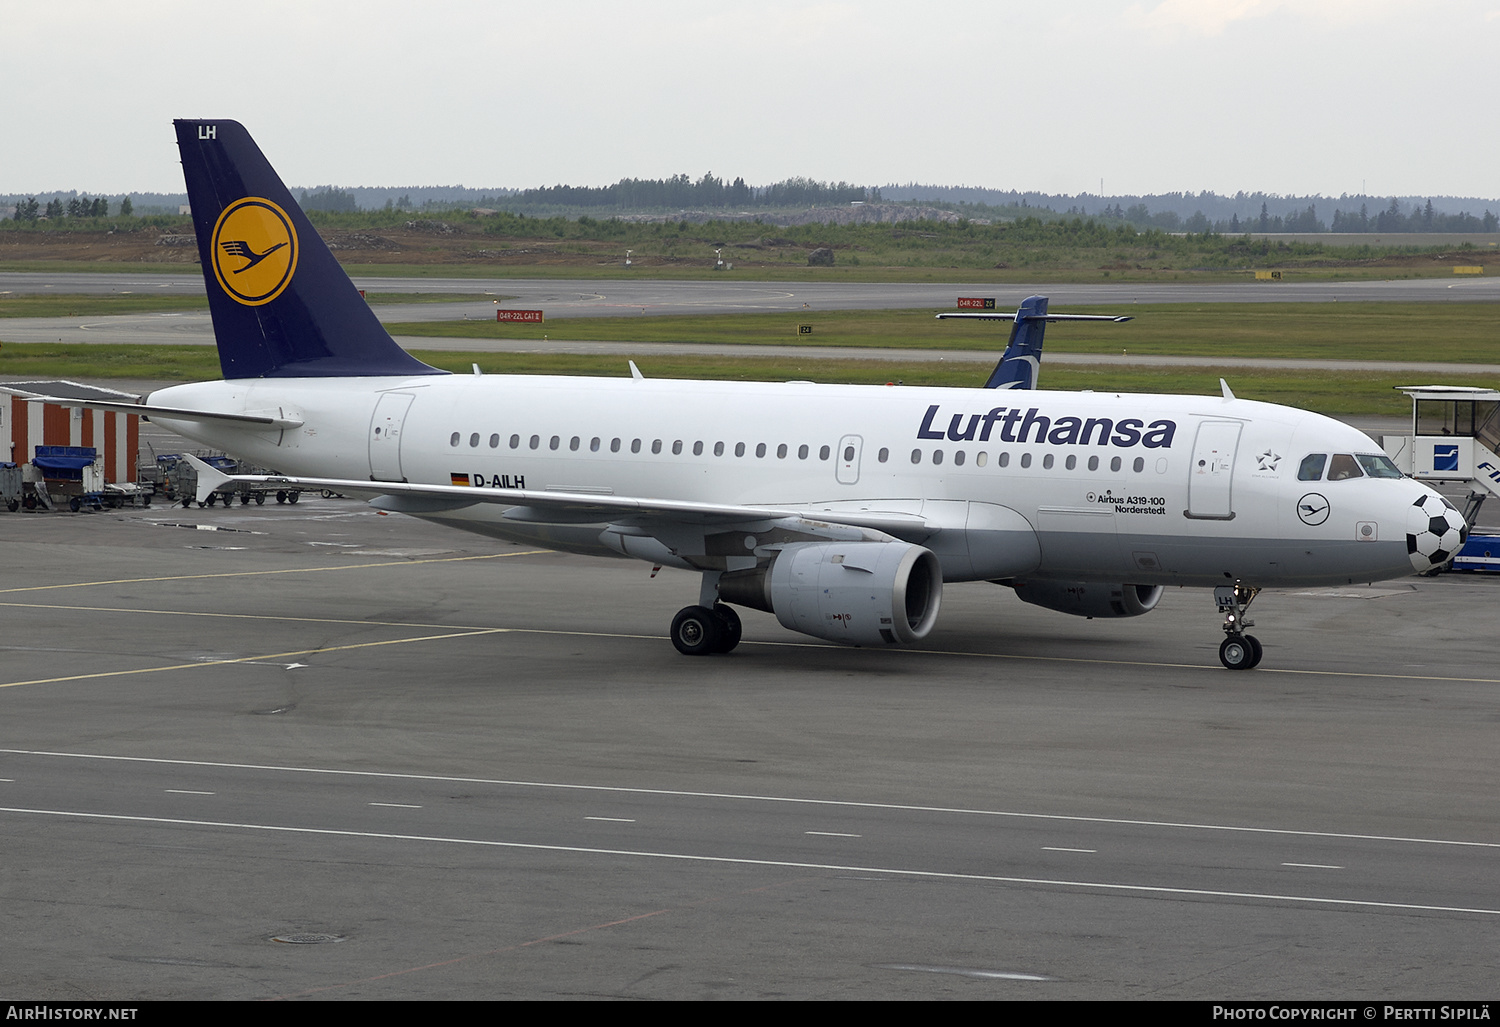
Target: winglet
{"points": [[209, 478]]}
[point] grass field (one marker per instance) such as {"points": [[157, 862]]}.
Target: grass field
{"points": [[1448, 332], [1439, 332], [696, 269], [458, 243]]}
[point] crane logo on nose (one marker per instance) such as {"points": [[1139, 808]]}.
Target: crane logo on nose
{"points": [[1312, 509]]}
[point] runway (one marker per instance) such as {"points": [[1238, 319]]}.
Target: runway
{"points": [[457, 769]]}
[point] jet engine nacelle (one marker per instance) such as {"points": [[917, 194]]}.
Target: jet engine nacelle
{"points": [[1089, 598], [862, 593]]}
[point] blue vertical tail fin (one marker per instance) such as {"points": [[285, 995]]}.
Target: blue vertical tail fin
{"points": [[1022, 360], [282, 306]]}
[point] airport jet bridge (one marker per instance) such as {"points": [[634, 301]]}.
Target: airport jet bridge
{"points": [[1455, 438]]}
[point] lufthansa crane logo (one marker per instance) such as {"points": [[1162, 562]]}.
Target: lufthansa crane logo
{"points": [[1312, 509], [254, 250]]}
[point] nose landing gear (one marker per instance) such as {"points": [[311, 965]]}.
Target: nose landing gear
{"points": [[1238, 651]]}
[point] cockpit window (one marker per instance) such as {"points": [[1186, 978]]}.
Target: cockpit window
{"points": [[1312, 467], [1378, 465], [1343, 466]]}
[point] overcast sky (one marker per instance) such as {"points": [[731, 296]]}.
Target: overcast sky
{"points": [[1286, 96]]}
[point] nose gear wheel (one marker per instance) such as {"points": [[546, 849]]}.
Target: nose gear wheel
{"points": [[1238, 651]]}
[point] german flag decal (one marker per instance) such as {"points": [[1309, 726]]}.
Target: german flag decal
{"points": [[459, 479]]}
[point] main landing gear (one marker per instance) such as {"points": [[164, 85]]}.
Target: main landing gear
{"points": [[709, 627], [1238, 651], [700, 630]]}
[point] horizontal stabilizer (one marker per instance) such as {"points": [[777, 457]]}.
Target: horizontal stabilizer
{"points": [[1021, 362], [149, 410], [987, 315]]}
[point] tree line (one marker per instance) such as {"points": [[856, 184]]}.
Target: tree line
{"points": [[1389, 220], [1420, 219], [680, 191], [77, 207]]}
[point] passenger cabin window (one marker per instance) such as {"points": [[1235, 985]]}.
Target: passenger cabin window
{"points": [[1343, 466], [1312, 467]]}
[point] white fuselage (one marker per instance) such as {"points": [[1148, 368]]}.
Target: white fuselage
{"points": [[1116, 487]]}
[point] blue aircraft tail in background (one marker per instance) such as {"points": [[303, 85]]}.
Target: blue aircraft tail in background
{"points": [[282, 306], [1022, 360]]}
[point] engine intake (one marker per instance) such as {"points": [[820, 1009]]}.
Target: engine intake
{"points": [[862, 593], [1089, 598]]}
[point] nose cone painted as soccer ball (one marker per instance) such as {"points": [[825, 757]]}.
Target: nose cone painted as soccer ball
{"points": [[1435, 530]]}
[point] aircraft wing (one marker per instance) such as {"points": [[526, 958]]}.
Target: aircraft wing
{"points": [[573, 506]]}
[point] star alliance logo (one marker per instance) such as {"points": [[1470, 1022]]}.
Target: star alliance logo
{"points": [[1268, 460]]}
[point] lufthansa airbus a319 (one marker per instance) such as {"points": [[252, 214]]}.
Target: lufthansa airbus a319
{"points": [[841, 509]]}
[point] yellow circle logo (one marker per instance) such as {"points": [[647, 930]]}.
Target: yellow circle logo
{"points": [[254, 250]]}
